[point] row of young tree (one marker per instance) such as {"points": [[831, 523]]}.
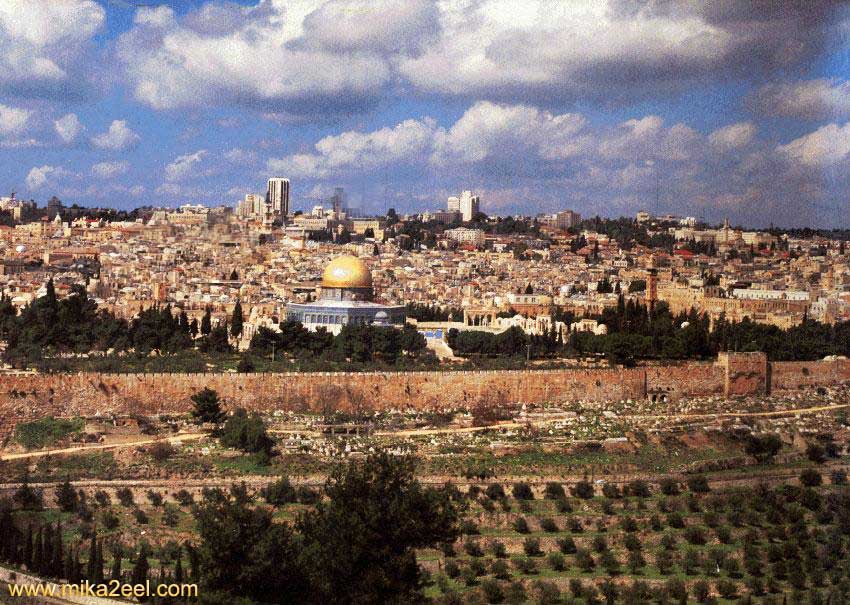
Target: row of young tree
{"points": [[636, 332], [355, 544], [75, 324], [355, 342]]}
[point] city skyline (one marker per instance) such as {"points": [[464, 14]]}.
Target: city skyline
{"points": [[605, 108]]}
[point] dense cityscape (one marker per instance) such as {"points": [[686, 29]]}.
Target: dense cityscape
{"points": [[424, 302]]}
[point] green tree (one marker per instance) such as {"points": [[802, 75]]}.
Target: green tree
{"points": [[236, 320], [66, 497], [207, 407]]}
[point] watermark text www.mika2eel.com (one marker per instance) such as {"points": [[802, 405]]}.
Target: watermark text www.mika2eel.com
{"points": [[112, 589]]}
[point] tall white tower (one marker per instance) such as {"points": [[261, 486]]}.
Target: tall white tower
{"points": [[278, 195]]}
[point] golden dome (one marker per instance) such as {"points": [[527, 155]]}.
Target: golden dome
{"points": [[347, 272]]}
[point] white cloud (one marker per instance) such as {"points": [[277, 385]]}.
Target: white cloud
{"points": [[404, 142], [241, 156], [807, 99], [223, 54], [108, 170], [487, 129], [733, 136], [118, 138], [41, 176], [183, 165], [13, 120], [68, 127], [41, 43], [648, 139], [827, 146]]}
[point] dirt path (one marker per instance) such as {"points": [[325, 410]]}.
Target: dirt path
{"points": [[101, 446]]}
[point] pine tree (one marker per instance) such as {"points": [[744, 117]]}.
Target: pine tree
{"points": [[236, 320], [207, 406], [206, 323]]}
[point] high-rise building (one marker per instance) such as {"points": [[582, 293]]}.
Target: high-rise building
{"points": [[565, 219], [469, 205], [453, 204], [278, 196], [338, 202]]}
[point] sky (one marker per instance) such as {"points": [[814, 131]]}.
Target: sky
{"points": [[719, 109]]}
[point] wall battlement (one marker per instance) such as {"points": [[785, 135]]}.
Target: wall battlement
{"points": [[26, 397]]}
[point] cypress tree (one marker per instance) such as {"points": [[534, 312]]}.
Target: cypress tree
{"points": [[141, 567], [178, 569], [47, 550], [236, 320], [27, 558], [68, 566], [206, 323], [58, 554], [115, 574], [37, 560], [91, 565]]}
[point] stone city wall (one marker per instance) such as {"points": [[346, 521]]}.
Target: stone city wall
{"points": [[27, 397]]}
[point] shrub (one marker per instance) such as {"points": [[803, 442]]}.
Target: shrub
{"points": [[610, 490], [810, 477], [655, 523], [525, 565], [610, 563], [547, 592], [184, 498], [584, 560], [109, 520], [639, 488], [564, 505], [695, 535], [675, 520], [548, 524], [125, 496], [515, 594], [698, 484], [531, 546], [452, 569], [141, 516], [676, 590], [816, 453], [636, 561], [155, 498], [521, 526], [46, 431], [838, 477], [724, 534], [469, 577], [279, 493], [307, 495], [583, 489], [668, 541], [669, 487], [102, 498], [492, 591], [701, 591], [575, 526], [469, 527], [478, 567], [632, 543], [556, 561], [629, 524], [600, 544], [566, 545], [472, 548], [161, 451], [554, 491], [170, 515], [497, 548], [500, 570], [522, 491], [494, 491]]}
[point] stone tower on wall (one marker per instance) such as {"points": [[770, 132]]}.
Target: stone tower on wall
{"points": [[651, 284]]}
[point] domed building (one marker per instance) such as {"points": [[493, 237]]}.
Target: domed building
{"points": [[346, 297]]}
